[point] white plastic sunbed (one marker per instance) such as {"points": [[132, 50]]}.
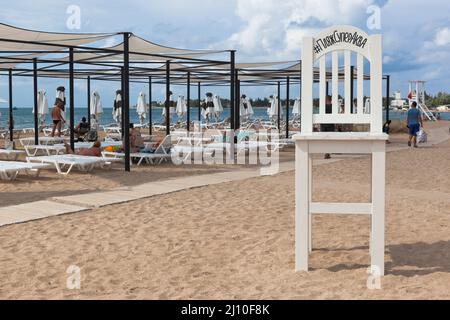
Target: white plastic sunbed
{"points": [[33, 150], [11, 155], [42, 140], [87, 145], [65, 163], [162, 153], [10, 169], [48, 131]]}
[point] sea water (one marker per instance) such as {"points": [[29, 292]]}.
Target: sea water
{"points": [[23, 117]]}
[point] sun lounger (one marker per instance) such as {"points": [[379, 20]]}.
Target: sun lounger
{"points": [[34, 150], [42, 141], [65, 163], [48, 131], [11, 155], [162, 153], [10, 169], [87, 145], [112, 130]]}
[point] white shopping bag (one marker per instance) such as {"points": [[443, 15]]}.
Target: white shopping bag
{"points": [[422, 136]]}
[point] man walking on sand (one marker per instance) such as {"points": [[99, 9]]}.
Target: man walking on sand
{"points": [[414, 122]]}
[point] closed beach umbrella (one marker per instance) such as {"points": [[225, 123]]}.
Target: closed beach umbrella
{"points": [[96, 107], [296, 110], [273, 111], [246, 109], [367, 106], [218, 109], [172, 110], [117, 110], [209, 104], [181, 106], [42, 106], [141, 107]]}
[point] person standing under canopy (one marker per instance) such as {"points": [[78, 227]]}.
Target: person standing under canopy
{"points": [[57, 117]]}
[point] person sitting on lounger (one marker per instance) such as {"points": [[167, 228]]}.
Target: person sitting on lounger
{"points": [[82, 128], [136, 140], [94, 151]]}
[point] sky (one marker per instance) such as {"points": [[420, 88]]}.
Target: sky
{"points": [[416, 33]]}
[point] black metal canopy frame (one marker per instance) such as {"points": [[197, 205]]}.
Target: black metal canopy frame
{"points": [[28, 53]]}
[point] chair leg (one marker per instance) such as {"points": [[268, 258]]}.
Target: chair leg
{"points": [[310, 216], [378, 208], [301, 206]]}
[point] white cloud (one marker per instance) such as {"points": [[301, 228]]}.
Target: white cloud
{"points": [[388, 59], [275, 28], [442, 37], [432, 74]]}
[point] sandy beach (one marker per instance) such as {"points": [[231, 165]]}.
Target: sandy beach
{"points": [[236, 240]]}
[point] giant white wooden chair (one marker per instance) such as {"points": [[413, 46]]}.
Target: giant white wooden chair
{"points": [[334, 41]]}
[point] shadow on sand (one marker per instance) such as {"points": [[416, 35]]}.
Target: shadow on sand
{"points": [[407, 260]]}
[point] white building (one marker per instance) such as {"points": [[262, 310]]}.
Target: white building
{"points": [[398, 102]]}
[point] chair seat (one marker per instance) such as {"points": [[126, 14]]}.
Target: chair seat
{"points": [[341, 136]]}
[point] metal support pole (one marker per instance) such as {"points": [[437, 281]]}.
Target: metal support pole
{"points": [[89, 101], [126, 99], [352, 88], [232, 88], [237, 112], [35, 91], [288, 102], [150, 98], [199, 101], [72, 100], [122, 89], [188, 103], [11, 117], [279, 106], [388, 93], [167, 105]]}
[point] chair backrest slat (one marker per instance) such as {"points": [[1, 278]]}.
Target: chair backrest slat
{"points": [[347, 80], [360, 83], [335, 81]]}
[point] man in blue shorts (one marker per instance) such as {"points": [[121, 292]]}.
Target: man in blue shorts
{"points": [[414, 122]]}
